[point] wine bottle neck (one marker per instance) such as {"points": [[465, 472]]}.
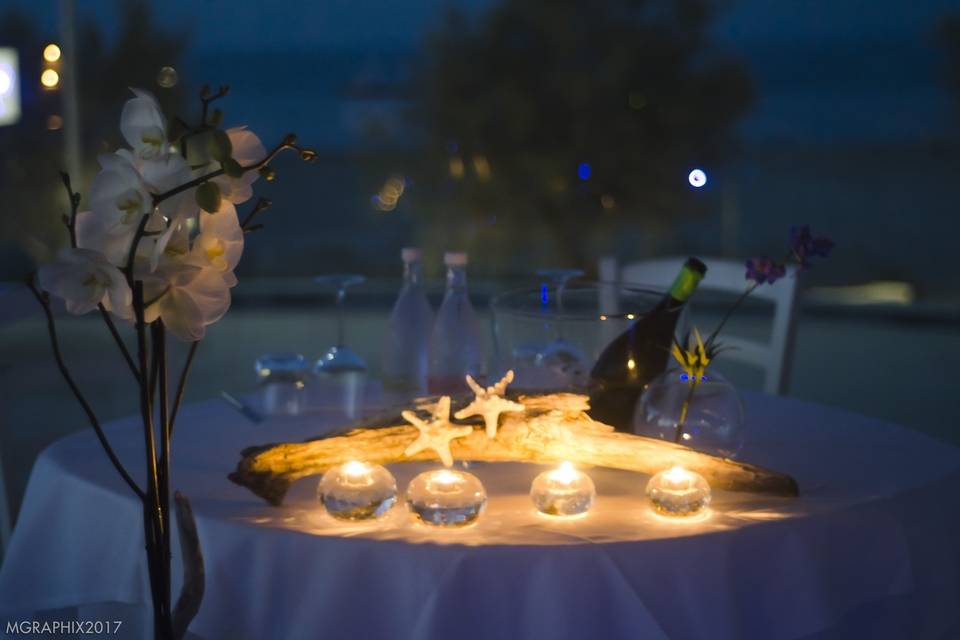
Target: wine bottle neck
{"points": [[411, 272], [456, 278], [685, 284]]}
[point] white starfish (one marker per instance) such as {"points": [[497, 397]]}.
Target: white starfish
{"points": [[490, 403], [436, 433]]}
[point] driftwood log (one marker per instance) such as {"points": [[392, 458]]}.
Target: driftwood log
{"points": [[552, 429]]}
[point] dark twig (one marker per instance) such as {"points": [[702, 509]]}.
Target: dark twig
{"points": [[141, 228], [289, 142], [119, 340], [262, 204], [71, 222], [87, 409], [207, 99], [154, 517], [182, 385], [74, 207], [158, 336]]}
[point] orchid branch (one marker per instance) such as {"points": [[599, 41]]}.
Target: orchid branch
{"points": [[44, 301], [262, 204], [119, 340], [289, 142], [206, 99], [74, 197], [182, 385], [71, 222], [743, 296], [158, 338]]}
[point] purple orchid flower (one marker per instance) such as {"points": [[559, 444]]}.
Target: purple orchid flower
{"points": [[763, 269], [804, 245]]}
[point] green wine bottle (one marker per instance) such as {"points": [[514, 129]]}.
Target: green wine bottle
{"points": [[640, 353]]}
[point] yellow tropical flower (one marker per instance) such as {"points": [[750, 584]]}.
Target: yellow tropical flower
{"points": [[693, 358]]}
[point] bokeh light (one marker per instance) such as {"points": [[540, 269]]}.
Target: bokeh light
{"points": [[456, 167], [482, 168], [54, 122], [51, 53], [167, 77], [389, 194], [697, 178], [6, 82], [49, 78], [584, 171]]}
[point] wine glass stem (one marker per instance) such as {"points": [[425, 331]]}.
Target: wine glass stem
{"points": [[341, 294], [560, 285]]}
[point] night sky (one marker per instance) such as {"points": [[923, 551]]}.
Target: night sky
{"points": [[826, 71]]}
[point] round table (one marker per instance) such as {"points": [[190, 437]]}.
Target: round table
{"points": [[871, 548]]}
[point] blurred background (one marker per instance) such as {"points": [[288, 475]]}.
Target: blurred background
{"points": [[530, 133]]}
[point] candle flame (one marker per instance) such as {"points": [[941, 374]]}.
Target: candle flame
{"points": [[677, 474], [445, 477], [565, 473], [355, 468]]}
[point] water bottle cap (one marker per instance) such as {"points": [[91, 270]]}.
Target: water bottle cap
{"points": [[411, 254], [455, 258]]}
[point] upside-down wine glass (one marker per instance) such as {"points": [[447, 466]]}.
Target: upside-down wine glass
{"points": [[559, 355], [340, 358], [341, 364]]}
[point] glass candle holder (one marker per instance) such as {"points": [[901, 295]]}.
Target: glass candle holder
{"points": [[564, 491], [357, 491], [281, 379], [678, 492], [446, 498]]}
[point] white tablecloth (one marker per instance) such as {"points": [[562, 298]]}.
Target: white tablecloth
{"points": [[870, 549]]}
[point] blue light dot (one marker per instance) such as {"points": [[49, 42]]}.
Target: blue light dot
{"points": [[697, 178], [544, 294], [583, 171]]}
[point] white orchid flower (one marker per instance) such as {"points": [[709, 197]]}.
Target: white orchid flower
{"points": [[118, 196], [144, 127], [191, 299], [247, 150], [91, 235], [84, 278], [220, 242]]}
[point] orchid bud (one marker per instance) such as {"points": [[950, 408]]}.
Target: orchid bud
{"points": [[176, 129], [219, 146], [208, 197], [232, 168]]}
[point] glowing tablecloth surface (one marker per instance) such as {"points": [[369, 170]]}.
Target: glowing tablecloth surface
{"points": [[870, 549]]}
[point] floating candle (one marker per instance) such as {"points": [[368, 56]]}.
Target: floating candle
{"points": [[564, 491], [678, 492], [446, 498], [357, 491]]}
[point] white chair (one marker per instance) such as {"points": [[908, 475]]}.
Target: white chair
{"points": [[773, 357]]}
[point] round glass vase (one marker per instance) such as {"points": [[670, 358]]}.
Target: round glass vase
{"points": [[714, 418]]}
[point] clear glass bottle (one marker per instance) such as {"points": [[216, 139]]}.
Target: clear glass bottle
{"points": [[408, 332], [455, 346]]}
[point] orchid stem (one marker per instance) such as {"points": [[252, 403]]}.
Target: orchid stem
{"points": [[684, 408], [119, 340], [181, 387], [158, 336], [729, 314], [87, 409]]}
